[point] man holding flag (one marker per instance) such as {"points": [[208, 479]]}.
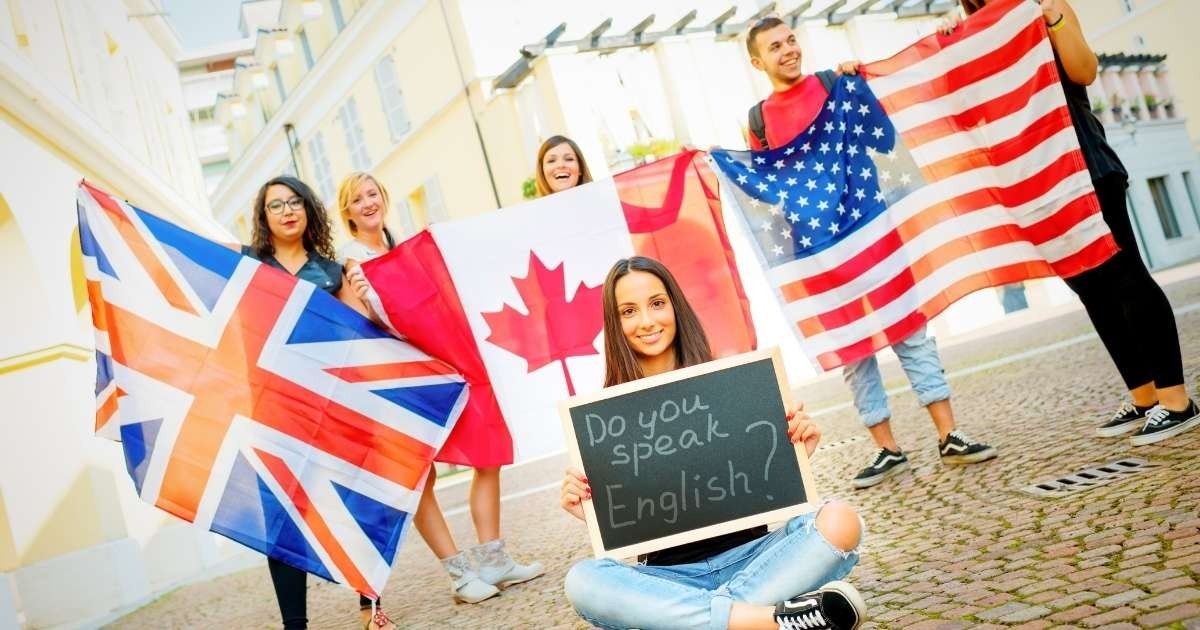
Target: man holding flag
{"points": [[785, 114]]}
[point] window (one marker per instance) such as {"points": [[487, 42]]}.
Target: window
{"points": [[338, 20], [320, 166], [434, 203], [1190, 189], [388, 82], [279, 82], [204, 114], [356, 144], [426, 205], [1162, 204], [309, 62]]}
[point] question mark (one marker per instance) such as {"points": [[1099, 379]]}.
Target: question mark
{"points": [[774, 443]]}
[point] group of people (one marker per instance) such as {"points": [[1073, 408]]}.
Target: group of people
{"points": [[789, 577]]}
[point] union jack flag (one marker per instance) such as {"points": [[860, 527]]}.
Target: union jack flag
{"points": [[255, 404], [951, 167]]}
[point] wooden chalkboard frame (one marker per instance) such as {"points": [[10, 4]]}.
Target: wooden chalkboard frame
{"points": [[746, 522]]}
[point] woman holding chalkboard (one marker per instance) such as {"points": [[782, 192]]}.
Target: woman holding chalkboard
{"points": [[744, 580]]}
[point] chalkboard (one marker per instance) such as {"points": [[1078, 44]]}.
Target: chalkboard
{"points": [[687, 455]]}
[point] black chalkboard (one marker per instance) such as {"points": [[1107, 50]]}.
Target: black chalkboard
{"points": [[671, 457]]}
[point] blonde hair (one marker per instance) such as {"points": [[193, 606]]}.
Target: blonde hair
{"points": [[345, 197]]}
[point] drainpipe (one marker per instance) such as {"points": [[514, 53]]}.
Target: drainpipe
{"points": [[487, 163]]}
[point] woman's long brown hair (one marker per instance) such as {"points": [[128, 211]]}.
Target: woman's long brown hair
{"points": [[318, 234], [539, 175], [620, 361]]}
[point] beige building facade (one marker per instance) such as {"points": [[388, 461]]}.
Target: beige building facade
{"points": [[87, 90]]}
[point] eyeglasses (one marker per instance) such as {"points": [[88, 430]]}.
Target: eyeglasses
{"points": [[276, 207]]}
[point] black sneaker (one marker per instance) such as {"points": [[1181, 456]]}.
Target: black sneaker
{"points": [[1126, 419], [886, 464], [960, 449], [1162, 423], [835, 606]]}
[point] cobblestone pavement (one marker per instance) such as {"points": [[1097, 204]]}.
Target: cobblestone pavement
{"points": [[947, 547]]}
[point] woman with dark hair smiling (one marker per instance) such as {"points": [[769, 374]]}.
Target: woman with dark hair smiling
{"points": [[560, 165], [743, 580], [292, 233]]}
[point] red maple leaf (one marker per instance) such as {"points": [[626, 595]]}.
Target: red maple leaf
{"points": [[555, 328]]}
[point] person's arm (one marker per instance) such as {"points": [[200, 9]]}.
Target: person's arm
{"points": [[575, 490], [1067, 38]]}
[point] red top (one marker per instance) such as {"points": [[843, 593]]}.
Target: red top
{"points": [[791, 111]]}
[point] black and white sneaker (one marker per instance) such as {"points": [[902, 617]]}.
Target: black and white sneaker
{"points": [[835, 606], [1162, 423], [960, 449], [886, 464], [1126, 419]]}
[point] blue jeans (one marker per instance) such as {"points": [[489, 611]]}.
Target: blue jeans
{"points": [[919, 357], [789, 561]]}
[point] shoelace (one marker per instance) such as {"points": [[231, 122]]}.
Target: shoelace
{"points": [[1125, 408], [807, 621], [1156, 415], [962, 437], [879, 455]]}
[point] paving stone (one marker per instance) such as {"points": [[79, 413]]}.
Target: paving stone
{"points": [[1120, 599]]}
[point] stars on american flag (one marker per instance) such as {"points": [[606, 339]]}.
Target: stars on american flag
{"points": [[832, 179]]}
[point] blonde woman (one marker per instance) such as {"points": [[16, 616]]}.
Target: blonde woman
{"points": [[481, 571]]}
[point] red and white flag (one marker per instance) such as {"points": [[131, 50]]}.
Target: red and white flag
{"points": [[512, 299], [954, 166]]}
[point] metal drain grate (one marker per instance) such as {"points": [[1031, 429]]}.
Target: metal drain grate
{"points": [[840, 443], [1089, 478]]}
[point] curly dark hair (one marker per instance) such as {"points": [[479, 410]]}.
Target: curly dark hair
{"points": [[318, 232]]}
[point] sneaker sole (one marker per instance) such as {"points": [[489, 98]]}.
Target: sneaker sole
{"points": [[853, 596], [1120, 429], [459, 599], [878, 479], [507, 583], [971, 458], [1151, 438]]}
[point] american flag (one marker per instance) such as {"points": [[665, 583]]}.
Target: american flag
{"points": [[951, 167], [255, 404]]}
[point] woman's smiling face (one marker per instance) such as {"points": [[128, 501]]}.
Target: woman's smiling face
{"points": [[560, 167]]}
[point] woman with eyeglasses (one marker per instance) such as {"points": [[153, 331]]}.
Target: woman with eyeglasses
{"points": [[480, 572], [292, 233], [1131, 313]]}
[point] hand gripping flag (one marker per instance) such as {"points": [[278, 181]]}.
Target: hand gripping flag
{"points": [[948, 168], [255, 404], [512, 298]]}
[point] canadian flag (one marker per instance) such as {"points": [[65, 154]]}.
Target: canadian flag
{"points": [[512, 299]]}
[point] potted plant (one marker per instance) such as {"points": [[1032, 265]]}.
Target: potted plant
{"points": [[1116, 107], [529, 188], [1151, 103], [1098, 106]]}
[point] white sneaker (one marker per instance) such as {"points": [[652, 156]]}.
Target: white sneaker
{"points": [[498, 568], [465, 585]]}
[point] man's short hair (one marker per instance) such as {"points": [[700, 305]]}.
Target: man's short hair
{"points": [[764, 24]]}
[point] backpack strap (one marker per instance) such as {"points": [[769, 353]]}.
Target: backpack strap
{"points": [[758, 126], [827, 78]]}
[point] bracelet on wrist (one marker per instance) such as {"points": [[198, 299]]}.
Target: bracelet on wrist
{"points": [[1059, 23]]}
